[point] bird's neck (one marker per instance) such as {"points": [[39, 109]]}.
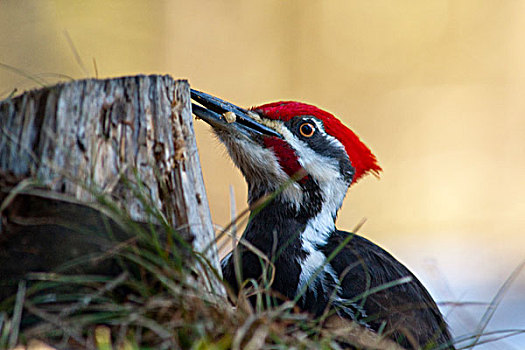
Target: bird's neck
{"points": [[291, 235], [309, 221]]}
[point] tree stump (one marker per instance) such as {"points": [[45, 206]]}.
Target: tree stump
{"points": [[130, 139]]}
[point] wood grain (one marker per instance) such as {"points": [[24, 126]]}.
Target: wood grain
{"points": [[125, 138]]}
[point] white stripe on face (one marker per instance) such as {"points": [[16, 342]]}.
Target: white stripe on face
{"points": [[325, 171]]}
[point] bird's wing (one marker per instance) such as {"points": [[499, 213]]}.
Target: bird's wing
{"points": [[387, 291]]}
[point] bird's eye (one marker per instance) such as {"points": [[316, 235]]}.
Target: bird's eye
{"points": [[307, 129]]}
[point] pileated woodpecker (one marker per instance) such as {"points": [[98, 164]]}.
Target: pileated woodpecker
{"points": [[303, 160]]}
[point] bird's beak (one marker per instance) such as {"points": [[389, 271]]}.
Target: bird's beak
{"points": [[224, 115]]}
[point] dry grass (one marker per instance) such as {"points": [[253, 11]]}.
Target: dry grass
{"points": [[155, 300]]}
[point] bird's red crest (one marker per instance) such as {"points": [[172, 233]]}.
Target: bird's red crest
{"points": [[362, 159]]}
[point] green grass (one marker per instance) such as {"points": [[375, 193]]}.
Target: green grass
{"points": [[156, 299]]}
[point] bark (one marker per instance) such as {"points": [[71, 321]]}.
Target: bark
{"points": [[123, 138]]}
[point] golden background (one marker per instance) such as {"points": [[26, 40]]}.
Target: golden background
{"points": [[435, 88]]}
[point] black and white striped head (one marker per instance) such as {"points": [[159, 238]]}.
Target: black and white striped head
{"points": [[298, 149]]}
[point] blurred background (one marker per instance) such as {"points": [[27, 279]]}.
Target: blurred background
{"points": [[435, 88]]}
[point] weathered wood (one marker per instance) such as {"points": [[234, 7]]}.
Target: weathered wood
{"points": [[92, 137]]}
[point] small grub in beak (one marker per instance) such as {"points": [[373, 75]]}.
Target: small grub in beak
{"points": [[229, 116]]}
